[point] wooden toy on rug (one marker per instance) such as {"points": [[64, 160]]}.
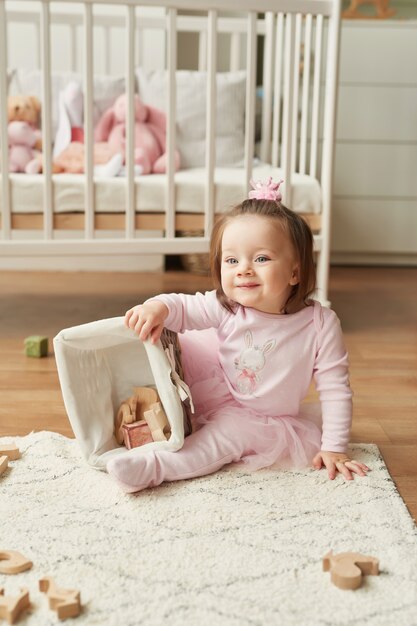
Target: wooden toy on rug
{"points": [[4, 463], [66, 602], [133, 409], [383, 11], [154, 427], [15, 562], [348, 568], [158, 422], [36, 346], [12, 606], [10, 450]]}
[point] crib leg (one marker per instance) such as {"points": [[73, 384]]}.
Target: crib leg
{"points": [[323, 260]]}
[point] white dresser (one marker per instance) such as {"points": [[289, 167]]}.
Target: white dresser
{"points": [[375, 190]]}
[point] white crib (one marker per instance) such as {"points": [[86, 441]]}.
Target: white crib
{"points": [[292, 44]]}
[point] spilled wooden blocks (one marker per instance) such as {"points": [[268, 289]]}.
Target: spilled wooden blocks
{"points": [[4, 464], [13, 562], [8, 452], [348, 568], [12, 606], [66, 602], [36, 346]]}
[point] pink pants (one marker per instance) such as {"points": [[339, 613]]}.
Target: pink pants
{"points": [[204, 452]]}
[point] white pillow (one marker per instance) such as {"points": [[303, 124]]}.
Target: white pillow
{"points": [[191, 90], [29, 82]]}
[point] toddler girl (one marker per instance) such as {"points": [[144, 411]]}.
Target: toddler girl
{"points": [[250, 372]]}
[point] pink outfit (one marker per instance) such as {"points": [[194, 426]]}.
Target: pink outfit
{"points": [[248, 375]]}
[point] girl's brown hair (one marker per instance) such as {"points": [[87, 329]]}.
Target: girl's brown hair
{"points": [[301, 239]]}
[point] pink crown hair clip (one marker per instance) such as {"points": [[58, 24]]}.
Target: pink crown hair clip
{"points": [[265, 190]]}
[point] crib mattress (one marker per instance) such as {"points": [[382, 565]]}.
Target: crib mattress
{"points": [[27, 191]]}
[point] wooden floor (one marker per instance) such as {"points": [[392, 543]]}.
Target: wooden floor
{"points": [[377, 307]]}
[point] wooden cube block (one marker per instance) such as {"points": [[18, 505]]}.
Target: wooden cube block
{"points": [[136, 434], [36, 346]]}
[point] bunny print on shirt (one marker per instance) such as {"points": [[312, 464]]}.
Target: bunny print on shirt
{"points": [[250, 362]]}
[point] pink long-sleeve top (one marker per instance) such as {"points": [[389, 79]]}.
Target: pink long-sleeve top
{"points": [[269, 360]]}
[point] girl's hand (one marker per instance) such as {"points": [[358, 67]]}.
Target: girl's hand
{"points": [[147, 320], [339, 462]]}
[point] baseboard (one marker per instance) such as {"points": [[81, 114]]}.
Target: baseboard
{"points": [[353, 258]]}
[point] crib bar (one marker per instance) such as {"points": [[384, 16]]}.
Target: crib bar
{"points": [[202, 51], [107, 50], [286, 149], [172, 111], [5, 184], [250, 97], [235, 51], [276, 127], [316, 95], [305, 93], [38, 39], [73, 47], [130, 129], [210, 122], [267, 87], [295, 104], [88, 121], [46, 119], [329, 129]]}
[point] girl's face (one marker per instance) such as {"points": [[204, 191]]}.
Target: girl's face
{"points": [[258, 265]]}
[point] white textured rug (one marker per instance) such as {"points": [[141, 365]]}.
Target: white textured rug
{"points": [[232, 549]]}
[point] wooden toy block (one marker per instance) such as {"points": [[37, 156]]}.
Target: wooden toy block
{"points": [[158, 422], [36, 346], [348, 568], [136, 434], [10, 450], [146, 396], [4, 463], [133, 409], [13, 562], [11, 607], [125, 415], [66, 602]]}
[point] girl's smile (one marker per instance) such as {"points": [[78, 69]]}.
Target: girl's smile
{"points": [[248, 286]]}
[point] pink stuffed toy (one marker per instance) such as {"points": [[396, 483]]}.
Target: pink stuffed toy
{"points": [[22, 139], [150, 134]]}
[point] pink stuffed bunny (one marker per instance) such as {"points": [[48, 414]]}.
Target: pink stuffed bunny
{"points": [[150, 134], [23, 157]]}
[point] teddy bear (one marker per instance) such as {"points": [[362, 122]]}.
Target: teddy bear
{"points": [[26, 109], [23, 156], [149, 134]]}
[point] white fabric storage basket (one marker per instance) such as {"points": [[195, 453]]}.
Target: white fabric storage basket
{"points": [[98, 365]]}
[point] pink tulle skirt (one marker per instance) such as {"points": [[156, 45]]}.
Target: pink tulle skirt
{"points": [[282, 442]]}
